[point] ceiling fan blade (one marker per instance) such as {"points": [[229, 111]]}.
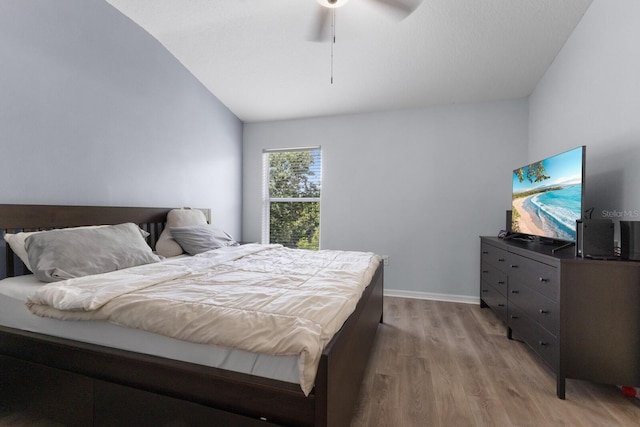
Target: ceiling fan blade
{"points": [[402, 8], [321, 30]]}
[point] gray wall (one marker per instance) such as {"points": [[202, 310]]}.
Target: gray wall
{"points": [[591, 96], [417, 185], [93, 110]]}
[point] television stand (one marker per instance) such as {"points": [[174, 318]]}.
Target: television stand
{"points": [[518, 236], [579, 315], [551, 242], [566, 245]]}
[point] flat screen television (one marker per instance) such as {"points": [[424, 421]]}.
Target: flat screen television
{"points": [[548, 196]]}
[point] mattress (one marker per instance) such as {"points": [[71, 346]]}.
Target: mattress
{"points": [[15, 314]]}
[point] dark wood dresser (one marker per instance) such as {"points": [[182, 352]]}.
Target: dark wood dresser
{"points": [[581, 316]]}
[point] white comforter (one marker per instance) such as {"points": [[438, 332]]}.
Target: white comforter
{"points": [[258, 298]]}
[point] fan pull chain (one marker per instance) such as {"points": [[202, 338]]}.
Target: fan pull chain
{"points": [[333, 38]]}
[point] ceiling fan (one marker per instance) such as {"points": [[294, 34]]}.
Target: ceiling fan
{"points": [[322, 28]]}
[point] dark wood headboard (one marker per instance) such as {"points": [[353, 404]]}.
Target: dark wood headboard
{"points": [[15, 218]]}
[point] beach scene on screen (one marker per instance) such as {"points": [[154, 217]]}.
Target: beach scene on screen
{"points": [[547, 196]]}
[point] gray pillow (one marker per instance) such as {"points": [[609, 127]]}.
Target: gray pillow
{"points": [[196, 239], [64, 254], [166, 244]]}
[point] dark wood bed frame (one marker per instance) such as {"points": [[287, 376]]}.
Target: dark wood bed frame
{"points": [[82, 384]]}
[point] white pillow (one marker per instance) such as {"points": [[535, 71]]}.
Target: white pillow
{"points": [[166, 245], [16, 241]]}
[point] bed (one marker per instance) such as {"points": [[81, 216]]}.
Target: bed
{"points": [[81, 383]]}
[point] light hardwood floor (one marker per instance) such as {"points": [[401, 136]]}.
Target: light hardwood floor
{"points": [[449, 364], [446, 364]]}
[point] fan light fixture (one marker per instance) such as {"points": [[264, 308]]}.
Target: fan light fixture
{"points": [[332, 3]]}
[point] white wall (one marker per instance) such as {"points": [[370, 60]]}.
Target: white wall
{"points": [[591, 96], [93, 110], [417, 185]]}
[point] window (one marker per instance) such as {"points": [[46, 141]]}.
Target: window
{"points": [[291, 197]]}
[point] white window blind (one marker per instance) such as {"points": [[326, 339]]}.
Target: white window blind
{"points": [[292, 181]]}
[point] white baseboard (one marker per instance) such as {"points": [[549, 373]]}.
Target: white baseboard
{"points": [[432, 296]]}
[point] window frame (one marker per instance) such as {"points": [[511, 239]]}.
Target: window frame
{"points": [[267, 200]]}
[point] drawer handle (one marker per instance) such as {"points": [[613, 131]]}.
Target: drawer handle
{"points": [[514, 316], [485, 253], [500, 305], [515, 292], [485, 290], [485, 271], [544, 311], [542, 279], [514, 266], [500, 282], [543, 344], [500, 259]]}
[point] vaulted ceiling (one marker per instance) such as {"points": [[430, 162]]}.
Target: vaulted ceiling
{"points": [[263, 60]]}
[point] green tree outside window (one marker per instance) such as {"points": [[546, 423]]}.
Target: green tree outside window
{"points": [[293, 199]]}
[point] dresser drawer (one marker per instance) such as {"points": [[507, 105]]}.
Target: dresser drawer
{"points": [[538, 307], [495, 300], [494, 256], [540, 340], [495, 277], [541, 277]]}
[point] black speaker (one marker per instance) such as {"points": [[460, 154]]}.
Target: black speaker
{"points": [[508, 222], [630, 240], [594, 238]]}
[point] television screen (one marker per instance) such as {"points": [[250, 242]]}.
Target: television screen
{"points": [[548, 195]]}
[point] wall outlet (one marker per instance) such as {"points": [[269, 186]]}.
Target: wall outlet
{"points": [[385, 259]]}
